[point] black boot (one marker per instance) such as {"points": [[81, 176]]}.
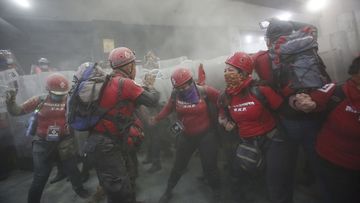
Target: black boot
{"points": [[156, 166], [83, 193], [165, 198], [59, 176]]}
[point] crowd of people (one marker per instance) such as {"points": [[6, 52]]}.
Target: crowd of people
{"points": [[269, 117]]}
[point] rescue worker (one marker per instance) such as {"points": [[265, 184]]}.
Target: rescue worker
{"points": [[9, 77], [42, 66], [52, 137], [300, 125], [338, 143], [248, 108], [191, 105], [111, 141]]}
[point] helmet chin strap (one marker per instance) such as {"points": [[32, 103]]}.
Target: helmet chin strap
{"points": [[128, 75]]}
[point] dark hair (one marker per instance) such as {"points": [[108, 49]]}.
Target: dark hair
{"points": [[278, 28], [355, 66]]}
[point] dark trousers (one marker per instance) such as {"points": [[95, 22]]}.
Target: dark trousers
{"points": [[153, 144], [44, 153], [7, 151], [207, 145], [115, 168], [283, 157], [339, 184]]}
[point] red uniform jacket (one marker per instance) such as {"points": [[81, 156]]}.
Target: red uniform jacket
{"points": [[339, 138], [129, 92], [50, 114], [194, 117], [249, 114]]}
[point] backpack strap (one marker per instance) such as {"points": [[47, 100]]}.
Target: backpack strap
{"points": [[337, 97], [254, 89], [42, 99]]}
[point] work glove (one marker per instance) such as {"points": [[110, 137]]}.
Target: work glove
{"points": [[10, 96]]}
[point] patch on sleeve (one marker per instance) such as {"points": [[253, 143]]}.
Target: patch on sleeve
{"points": [[137, 84], [326, 87]]}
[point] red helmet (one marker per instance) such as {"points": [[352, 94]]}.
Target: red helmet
{"points": [[121, 56], [56, 83], [180, 76], [241, 61]]}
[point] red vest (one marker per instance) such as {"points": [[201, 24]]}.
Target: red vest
{"points": [[129, 93], [50, 114]]}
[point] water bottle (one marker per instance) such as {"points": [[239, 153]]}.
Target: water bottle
{"points": [[31, 130]]}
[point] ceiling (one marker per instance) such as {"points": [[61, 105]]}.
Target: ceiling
{"points": [[277, 4]]}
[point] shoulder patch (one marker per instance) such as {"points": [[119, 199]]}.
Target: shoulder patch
{"points": [[137, 84], [326, 87]]}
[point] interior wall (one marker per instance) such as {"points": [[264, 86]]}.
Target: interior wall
{"points": [[339, 40], [67, 44]]}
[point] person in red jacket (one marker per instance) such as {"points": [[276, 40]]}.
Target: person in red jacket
{"points": [[111, 142], [191, 104], [338, 142], [300, 123], [52, 137], [248, 108]]}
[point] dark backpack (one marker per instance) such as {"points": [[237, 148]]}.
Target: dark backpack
{"points": [[295, 62], [83, 111]]}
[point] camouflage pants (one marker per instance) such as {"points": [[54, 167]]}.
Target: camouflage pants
{"points": [[114, 167]]}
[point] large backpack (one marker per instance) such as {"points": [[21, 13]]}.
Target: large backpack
{"points": [[83, 110], [295, 61]]}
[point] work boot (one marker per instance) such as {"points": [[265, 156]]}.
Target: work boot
{"points": [[59, 176], [83, 193], [165, 198], [156, 166]]}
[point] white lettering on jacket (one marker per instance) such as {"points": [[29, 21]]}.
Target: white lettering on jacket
{"points": [[55, 106], [350, 109], [245, 104], [242, 107], [326, 87]]}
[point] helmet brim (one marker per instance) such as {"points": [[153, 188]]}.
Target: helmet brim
{"points": [[58, 93]]}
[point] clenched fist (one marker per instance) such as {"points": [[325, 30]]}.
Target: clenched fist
{"points": [[302, 102]]}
